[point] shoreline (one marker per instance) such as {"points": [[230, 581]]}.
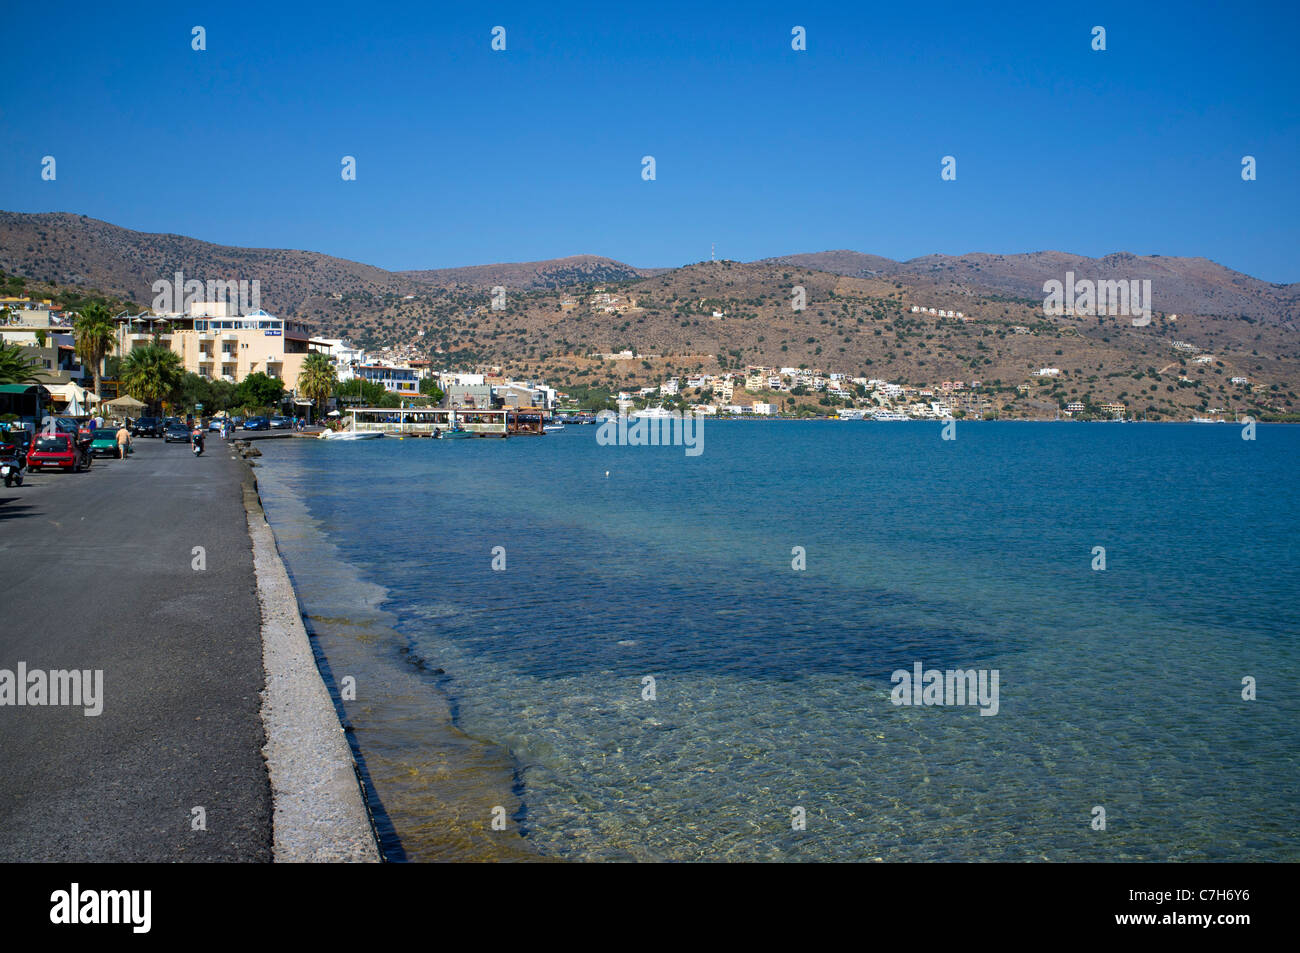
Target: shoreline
{"points": [[429, 786], [319, 813]]}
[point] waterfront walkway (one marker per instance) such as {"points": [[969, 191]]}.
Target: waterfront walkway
{"points": [[99, 572]]}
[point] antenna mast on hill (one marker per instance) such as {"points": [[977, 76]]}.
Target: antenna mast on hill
{"points": [[713, 247]]}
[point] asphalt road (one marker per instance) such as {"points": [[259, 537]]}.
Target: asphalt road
{"points": [[97, 572]]}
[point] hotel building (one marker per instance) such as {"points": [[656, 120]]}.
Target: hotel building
{"points": [[216, 342]]}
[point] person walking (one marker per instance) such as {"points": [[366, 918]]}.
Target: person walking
{"points": [[123, 442]]}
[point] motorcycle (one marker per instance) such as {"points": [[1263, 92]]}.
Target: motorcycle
{"points": [[13, 457], [11, 468], [196, 443]]}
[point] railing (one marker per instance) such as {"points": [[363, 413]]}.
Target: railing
{"points": [[429, 422]]}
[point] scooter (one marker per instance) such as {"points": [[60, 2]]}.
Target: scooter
{"points": [[13, 459], [196, 443], [11, 468]]}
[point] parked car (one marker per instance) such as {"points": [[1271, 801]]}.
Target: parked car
{"points": [[176, 433], [257, 423], [147, 427], [281, 423], [103, 443], [16, 442], [58, 451]]}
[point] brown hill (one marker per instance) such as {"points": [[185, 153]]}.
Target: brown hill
{"points": [[1178, 285], [726, 315], [529, 275]]}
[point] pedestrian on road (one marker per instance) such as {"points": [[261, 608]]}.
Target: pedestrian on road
{"points": [[123, 442]]}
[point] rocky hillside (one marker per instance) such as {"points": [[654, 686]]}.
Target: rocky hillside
{"points": [[563, 318]]}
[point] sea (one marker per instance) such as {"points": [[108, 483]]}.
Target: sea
{"points": [[544, 648]]}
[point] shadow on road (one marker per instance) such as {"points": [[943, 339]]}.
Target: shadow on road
{"points": [[13, 506]]}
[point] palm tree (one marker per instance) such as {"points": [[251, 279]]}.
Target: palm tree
{"points": [[317, 379], [151, 373], [94, 333], [17, 366]]}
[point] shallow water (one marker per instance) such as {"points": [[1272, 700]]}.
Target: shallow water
{"points": [[1118, 688]]}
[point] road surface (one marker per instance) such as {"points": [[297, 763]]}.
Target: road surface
{"points": [[100, 572]]}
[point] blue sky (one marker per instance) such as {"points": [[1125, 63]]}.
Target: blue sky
{"points": [[466, 155]]}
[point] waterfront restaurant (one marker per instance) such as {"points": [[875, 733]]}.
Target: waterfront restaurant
{"points": [[428, 421]]}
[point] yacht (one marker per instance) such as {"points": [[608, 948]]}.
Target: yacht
{"points": [[888, 415]]}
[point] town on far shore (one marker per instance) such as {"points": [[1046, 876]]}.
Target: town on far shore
{"points": [[255, 362]]}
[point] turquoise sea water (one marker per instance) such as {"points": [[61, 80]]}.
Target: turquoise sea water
{"points": [[523, 688]]}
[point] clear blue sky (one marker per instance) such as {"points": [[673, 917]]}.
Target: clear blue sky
{"points": [[467, 156]]}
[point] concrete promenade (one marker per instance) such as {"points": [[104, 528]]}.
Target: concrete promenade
{"points": [[144, 570]]}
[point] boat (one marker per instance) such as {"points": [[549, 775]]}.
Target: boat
{"points": [[1207, 420], [889, 415], [454, 433], [553, 428], [352, 433]]}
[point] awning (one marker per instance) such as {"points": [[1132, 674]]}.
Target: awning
{"points": [[124, 403], [70, 392]]}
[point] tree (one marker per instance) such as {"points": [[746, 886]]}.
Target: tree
{"points": [[94, 334], [17, 366], [366, 393], [317, 379], [214, 395], [152, 373], [258, 390], [429, 388]]}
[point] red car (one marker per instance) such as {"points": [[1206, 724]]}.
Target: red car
{"points": [[61, 450]]}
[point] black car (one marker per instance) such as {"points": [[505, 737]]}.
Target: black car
{"points": [[257, 423], [176, 432], [147, 427]]}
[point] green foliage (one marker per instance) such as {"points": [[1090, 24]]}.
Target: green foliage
{"points": [[429, 388], [17, 365], [317, 379], [152, 373], [258, 390], [212, 394], [94, 334], [363, 393]]}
